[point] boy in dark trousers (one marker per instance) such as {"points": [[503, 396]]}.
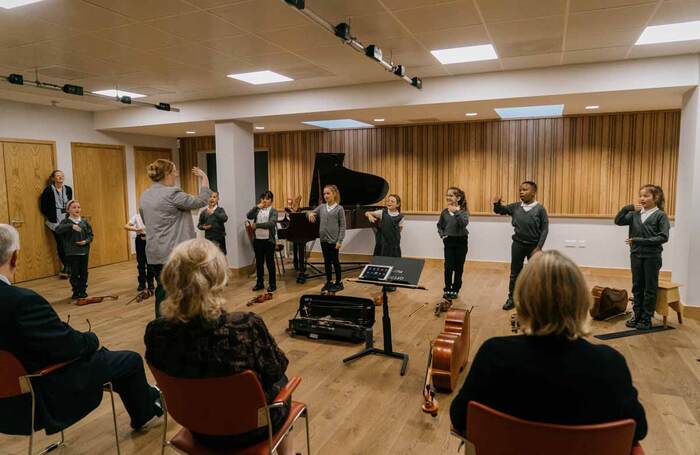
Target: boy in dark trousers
{"points": [[212, 221], [77, 235], [648, 231], [531, 225]]}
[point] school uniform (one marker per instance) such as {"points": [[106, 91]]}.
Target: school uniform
{"points": [[299, 251], [331, 231], [531, 225], [452, 228], [76, 255], [648, 230], [146, 276], [264, 241], [387, 233], [216, 219]]}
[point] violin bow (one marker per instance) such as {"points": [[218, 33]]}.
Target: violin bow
{"points": [[141, 296]]}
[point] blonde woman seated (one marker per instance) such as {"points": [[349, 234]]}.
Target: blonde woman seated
{"points": [[551, 374], [196, 338]]}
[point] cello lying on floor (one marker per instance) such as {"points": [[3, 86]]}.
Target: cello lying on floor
{"points": [[447, 358]]}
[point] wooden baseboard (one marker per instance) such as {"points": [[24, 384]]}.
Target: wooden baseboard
{"points": [[497, 265], [692, 312]]}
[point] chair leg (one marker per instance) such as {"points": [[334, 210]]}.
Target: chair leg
{"points": [[308, 438], [49, 448], [108, 387], [164, 441]]}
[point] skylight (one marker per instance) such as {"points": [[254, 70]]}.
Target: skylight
{"points": [[465, 54], [260, 77], [548, 110], [9, 4], [118, 93], [669, 33], [338, 124]]}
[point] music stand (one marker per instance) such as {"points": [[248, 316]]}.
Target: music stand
{"points": [[405, 274]]}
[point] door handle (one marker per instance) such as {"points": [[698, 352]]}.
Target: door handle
{"points": [[17, 223]]}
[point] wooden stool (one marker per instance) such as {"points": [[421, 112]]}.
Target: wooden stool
{"points": [[667, 296]]}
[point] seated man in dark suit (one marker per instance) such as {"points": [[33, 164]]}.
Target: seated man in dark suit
{"points": [[31, 330], [551, 374]]}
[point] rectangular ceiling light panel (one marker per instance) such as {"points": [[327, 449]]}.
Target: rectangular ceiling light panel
{"points": [[549, 110], [669, 33], [260, 77], [118, 93], [465, 54], [338, 124], [9, 4]]}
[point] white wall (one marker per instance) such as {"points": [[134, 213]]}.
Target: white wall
{"points": [[63, 126], [598, 242]]}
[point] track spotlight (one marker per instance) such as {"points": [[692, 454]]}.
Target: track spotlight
{"points": [[399, 70], [342, 31], [417, 82], [72, 89], [298, 4], [162, 106], [16, 79], [373, 52], [125, 99]]}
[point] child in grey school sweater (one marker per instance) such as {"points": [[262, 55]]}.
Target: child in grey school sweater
{"points": [[452, 228], [331, 231]]}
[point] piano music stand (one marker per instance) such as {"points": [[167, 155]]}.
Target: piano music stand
{"points": [[405, 274]]}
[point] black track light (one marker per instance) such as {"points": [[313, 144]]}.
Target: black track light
{"points": [[16, 79], [73, 89], [342, 31], [298, 4], [417, 82], [125, 99], [162, 106], [372, 51], [399, 70]]}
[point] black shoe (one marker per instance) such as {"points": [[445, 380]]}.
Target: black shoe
{"points": [[327, 287], [272, 288], [83, 295], [151, 288], [643, 325], [75, 296], [140, 288], [454, 294], [509, 305], [632, 322], [337, 287], [447, 296], [258, 287]]}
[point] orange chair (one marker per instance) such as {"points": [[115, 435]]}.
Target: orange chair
{"points": [[15, 381], [494, 433], [224, 406]]}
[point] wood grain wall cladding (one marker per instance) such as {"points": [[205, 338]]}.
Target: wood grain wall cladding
{"points": [[189, 146], [585, 166], [143, 156]]}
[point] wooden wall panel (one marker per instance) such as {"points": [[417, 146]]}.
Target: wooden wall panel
{"points": [[189, 146], [4, 209], [143, 156], [586, 166]]}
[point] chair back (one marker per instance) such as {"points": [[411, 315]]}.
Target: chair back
{"points": [[11, 370], [215, 406], [495, 433]]}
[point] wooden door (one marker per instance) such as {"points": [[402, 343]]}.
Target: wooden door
{"points": [[99, 179], [143, 156], [27, 166]]}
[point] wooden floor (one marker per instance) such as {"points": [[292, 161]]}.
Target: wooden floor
{"points": [[366, 407]]}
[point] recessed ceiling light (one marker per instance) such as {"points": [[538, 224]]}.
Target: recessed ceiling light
{"points": [[378, 119], [591, 107], [548, 110], [260, 77], [259, 127], [9, 4], [465, 54], [190, 132], [471, 114], [669, 33], [338, 124], [118, 93]]}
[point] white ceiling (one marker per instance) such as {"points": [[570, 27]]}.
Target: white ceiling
{"points": [[179, 50], [631, 100]]}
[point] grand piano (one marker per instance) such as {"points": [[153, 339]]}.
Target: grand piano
{"points": [[359, 192]]}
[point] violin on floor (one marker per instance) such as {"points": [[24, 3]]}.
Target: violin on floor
{"points": [[447, 358]]}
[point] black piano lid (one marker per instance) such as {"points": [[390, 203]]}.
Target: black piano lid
{"points": [[356, 188]]}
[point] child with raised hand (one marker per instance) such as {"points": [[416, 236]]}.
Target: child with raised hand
{"points": [[77, 235], [648, 231], [452, 228]]}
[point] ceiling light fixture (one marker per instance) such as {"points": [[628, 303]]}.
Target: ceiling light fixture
{"points": [[378, 119], [465, 54], [591, 107], [338, 124], [260, 77], [114, 93], [344, 32], [669, 33], [9, 4], [259, 127], [190, 132], [547, 110], [471, 114]]}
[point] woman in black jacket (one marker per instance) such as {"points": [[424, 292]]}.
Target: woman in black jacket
{"points": [[551, 374], [53, 207]]}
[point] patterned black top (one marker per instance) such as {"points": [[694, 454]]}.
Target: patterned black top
{"points": [[228, 345]]}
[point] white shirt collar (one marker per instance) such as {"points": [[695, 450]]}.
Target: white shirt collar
{"points": [[75, 220], [650, 211], [5, 279], [530, 205], [331, 207]]}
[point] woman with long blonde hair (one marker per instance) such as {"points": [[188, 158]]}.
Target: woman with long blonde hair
{"points": [[551, 374], [197, 338]]}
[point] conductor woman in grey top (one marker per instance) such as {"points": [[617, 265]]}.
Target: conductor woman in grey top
{"points": [[166, 214]]}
